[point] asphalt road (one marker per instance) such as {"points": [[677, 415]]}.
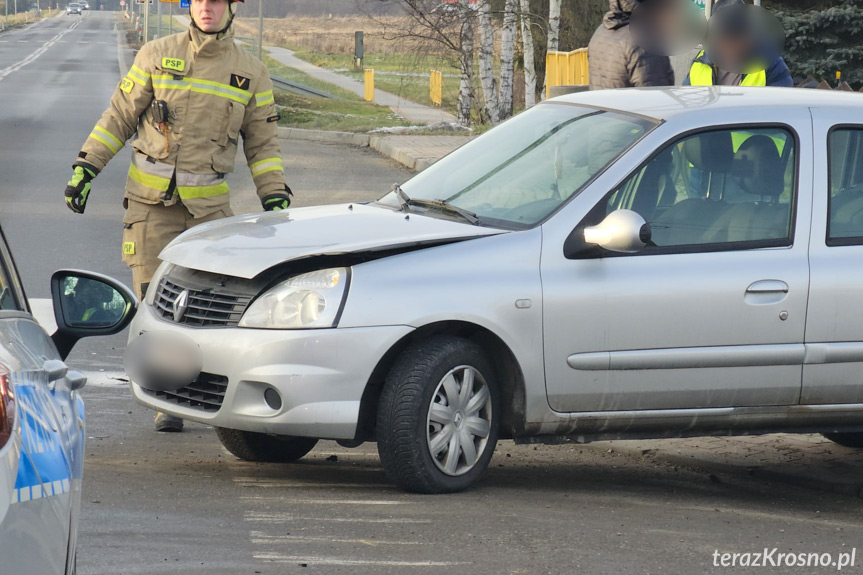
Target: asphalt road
{"points": [[170, 504]]}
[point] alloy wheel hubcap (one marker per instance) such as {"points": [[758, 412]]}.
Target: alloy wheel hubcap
{"points": [[459, 420]]}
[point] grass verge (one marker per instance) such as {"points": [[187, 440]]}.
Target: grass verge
{"points": [[347, 113]]}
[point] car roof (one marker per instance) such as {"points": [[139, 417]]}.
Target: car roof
{"points": [[665, 103]]}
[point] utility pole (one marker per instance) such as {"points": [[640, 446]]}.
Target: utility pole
{"points": [[159, 15], [146, 21], [260, 29]]}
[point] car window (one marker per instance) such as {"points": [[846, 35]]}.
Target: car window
{"points": [[517, 174], [719, 189], [845, 149]]}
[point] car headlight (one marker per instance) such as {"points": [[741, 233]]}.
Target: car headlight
{"points": [[311, 300]]}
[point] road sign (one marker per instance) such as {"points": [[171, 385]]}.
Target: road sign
{"points": [[169, 1], [185, 3]]}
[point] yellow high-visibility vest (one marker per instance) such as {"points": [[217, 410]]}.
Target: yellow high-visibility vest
{"points": [[700, 74]]}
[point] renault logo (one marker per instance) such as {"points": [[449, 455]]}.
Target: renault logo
{"points": [[180, 306]]}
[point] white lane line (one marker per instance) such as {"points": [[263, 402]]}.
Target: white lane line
{"points": [[283, 501], [278, 517], [311, 560], [312, 485], [262, 538], [44, 48]]}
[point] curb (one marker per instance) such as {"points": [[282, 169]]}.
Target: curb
{"points": [[803, 481], [385, 145]]}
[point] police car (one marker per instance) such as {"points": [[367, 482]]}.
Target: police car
{"points": [[42, 414]]}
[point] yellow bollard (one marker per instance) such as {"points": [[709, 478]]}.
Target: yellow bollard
{"points": [[370, 85], [436, 88]]}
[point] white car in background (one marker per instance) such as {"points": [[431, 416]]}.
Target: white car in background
{"points": [[42, 414]]}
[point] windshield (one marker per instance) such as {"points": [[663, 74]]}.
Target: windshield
{"points": [[517, 174]]}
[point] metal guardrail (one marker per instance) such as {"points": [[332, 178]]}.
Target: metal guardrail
{"points": [[300, 89]]}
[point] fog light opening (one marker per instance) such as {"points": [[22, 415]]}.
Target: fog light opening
{"points": [[273, 399]]}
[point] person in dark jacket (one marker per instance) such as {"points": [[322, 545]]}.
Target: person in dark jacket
{"points": [[736, 44], [616, 61]]}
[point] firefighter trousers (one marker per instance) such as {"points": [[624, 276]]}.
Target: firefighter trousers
{"points": [[147, 229]]}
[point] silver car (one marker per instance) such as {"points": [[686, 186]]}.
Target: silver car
{"points": [[631, 263], [42, 414]]}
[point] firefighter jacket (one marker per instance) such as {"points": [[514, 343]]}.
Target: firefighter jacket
{"points": [[215, 91]]}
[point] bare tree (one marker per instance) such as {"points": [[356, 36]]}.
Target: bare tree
{"points": [[553, 32], [486, 70], [466, 41], [529, 57], [507, 58]]}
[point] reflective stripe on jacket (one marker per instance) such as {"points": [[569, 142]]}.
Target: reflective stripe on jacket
{"points": [[215, 91], [702, 74]]}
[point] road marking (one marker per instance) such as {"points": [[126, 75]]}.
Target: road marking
{"points": [[284, 501], [261, 538], [279, 558], [279, 517], [252, 482], [44, 48]]}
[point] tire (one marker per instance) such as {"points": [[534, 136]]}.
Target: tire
{"points": [[846, 439], [263, 447], [417, 427]]}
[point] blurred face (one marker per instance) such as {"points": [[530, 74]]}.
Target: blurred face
{"points": [[209, 14]]}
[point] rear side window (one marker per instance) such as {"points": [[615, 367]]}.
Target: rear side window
{"points": [[845, 224], [716, 190]]}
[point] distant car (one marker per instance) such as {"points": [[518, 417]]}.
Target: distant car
{"points": [[618, 263], [73, 8], [84, 5], [42, 414]]}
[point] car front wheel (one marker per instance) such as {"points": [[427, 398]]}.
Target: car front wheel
{"points": [[263, 447], [437, 416], [846, 439]]}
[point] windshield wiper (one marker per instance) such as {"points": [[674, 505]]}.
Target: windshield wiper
{"points": [[444, 206], [404, 199]]}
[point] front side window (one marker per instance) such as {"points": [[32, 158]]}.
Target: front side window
{"points": [[716, 190], [845, 148], [517, 174]]}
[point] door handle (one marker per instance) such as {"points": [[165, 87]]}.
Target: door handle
{"points": [[768, 286], [766, 292]]}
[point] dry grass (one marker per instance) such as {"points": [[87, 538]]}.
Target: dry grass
{"points": [[332, 35]]}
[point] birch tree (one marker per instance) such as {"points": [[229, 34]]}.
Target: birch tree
{"points": [[507, 58], [466, 48], [529, 57], [486, 70], [553, 32]]}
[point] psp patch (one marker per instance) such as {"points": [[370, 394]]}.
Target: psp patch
{"points": [[240, 82], [175, 64], [126, 85], [128, 248]]}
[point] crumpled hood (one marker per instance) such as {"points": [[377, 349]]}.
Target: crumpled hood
{"points": [[619, 12], [245, 246]]}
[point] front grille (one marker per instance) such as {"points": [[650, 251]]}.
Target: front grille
{"points": [[206, 393], [203, 307]]}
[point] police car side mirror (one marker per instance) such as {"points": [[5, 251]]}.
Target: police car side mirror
{"points": [[87, 304]]}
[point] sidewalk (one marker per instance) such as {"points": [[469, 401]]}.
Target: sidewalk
{"points": [[804, 460], [410, 111]]}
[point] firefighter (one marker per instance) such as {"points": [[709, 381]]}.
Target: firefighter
{"points": [[187, 100]]}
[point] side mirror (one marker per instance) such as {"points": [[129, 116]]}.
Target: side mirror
{"points": [[88, 304], [622, 231]]}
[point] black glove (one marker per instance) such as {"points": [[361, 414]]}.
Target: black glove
{"points": [[278, 201], [78, 188]]}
